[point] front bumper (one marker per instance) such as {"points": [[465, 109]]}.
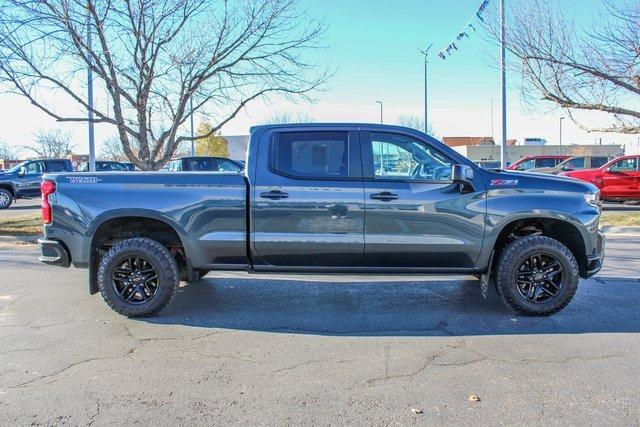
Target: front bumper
{"points": [[595, 261], [54, 252]]}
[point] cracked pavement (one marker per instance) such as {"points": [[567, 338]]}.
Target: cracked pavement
{"points": [[258, 349]]}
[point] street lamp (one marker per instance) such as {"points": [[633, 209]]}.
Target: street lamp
{"points": [[561, 119], [193, 142], [380, 102], [92, 149], [425, 53], [503, 85]]}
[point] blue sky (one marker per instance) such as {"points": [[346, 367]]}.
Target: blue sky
{"points": [[373, 47]]}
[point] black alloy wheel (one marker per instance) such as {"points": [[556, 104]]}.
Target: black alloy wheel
{"points": [[540, 278], [135, 280]]}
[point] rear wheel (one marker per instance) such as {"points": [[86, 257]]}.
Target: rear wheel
{"points": [[6, 198], [536, 276], [138, 277]]}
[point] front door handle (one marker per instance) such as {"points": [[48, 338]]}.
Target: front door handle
{"points": [[384, 196], [274, 194]]}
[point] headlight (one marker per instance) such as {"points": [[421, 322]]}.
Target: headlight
{"points": [[592, 198]]}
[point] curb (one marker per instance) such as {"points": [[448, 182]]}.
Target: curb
{"points": [[627, 231]]}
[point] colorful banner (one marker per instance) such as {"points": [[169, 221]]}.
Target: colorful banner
{"points": [[448, 49]]}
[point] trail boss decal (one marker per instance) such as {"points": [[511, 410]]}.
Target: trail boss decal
{"points": [[502, 182], [83, 179]]}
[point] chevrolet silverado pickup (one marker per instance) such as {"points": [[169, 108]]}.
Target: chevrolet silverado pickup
{"points": [[326, 198]]}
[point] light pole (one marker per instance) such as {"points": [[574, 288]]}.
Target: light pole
{"points": [[425, 53], [503, 78], [561, 119], [92, 149], [193, 142], [380, 102]]}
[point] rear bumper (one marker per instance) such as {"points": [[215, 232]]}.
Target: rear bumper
{"points": [[595, 261], [53, 252]]}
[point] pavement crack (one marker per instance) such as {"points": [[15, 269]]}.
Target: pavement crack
{"points": [[71, 366]]}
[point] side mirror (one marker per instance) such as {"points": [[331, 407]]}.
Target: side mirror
{"points": [[463, 175], [609, 170], [22, 172]]}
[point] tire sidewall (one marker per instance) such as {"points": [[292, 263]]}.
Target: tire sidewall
{"points": [[9, 197], [513, 258], [150, 250]]}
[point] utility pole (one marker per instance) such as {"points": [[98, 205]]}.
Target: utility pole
{"points": [[193, 142], [503, 145], [561, 119], [381, 120], [425, 54], [492, 135], [92, 148]]}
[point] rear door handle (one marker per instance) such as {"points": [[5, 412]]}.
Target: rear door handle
{"points": [[274, 194], [384, 196]]}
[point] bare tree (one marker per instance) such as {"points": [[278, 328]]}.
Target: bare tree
{"points": [[289, 117], [52, 144], [415, 122], [578, 68], [8, 152], [151, 58], [112, 150]]}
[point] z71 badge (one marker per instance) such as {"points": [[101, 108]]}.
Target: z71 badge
{"points": [[501, 182], [83, 179]]}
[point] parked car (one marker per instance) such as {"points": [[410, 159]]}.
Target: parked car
{"points": [[574, 163], [205, 164], [129, 166], [618, 180], [104, 166], [530, 162], [23, 180], [311, 200]]}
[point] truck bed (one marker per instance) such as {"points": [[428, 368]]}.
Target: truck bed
{"points": [[207, 210]]}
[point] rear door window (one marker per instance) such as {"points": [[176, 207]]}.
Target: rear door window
{"points": [[228, 166], [56, 166], [322, 155], [597, 162], [547, 163]]}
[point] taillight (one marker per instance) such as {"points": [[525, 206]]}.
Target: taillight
{"points": [[46, 188]]}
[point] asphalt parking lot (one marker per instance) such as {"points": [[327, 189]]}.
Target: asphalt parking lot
{"points": [[239, 348], [21, 207]]}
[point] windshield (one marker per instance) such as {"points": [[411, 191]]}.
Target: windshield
{"points": [[18, 166]]}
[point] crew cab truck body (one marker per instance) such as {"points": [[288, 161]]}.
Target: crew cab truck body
{"points": [[23, 180], [329, 198]]}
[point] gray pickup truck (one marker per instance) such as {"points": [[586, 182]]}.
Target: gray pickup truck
{"points": [[326, 198]]}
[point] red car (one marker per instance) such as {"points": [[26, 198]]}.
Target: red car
{"points": [[618, 180], [530, 162]]}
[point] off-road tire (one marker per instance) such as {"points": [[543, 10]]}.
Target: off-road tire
{"points": [[158, 256], [510, 260], [6, 198]]}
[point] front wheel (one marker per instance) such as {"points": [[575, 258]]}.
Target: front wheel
{"points": [[138, 277], [536, 276], [6, 198]]}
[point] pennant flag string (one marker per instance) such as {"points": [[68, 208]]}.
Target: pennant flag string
{"points": [[463, 33]]}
